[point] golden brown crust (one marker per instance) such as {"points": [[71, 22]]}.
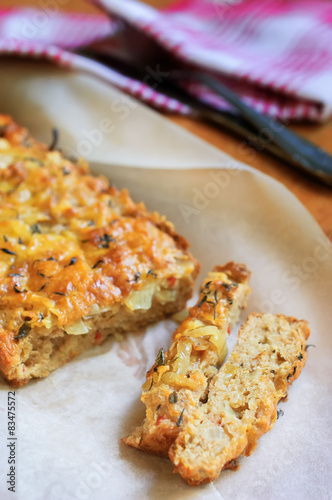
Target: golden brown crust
{"points": [[178, 381], [69, 241], [243, 396]]}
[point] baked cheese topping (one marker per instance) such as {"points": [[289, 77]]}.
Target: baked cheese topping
{"points": [[69, 240]]}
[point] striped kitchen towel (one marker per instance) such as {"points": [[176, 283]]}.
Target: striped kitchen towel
{"points": [[276, 54]]}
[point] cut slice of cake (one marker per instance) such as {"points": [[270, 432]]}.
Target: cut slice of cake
{"points": [[243, 396], [178, 382], [79, 260]]}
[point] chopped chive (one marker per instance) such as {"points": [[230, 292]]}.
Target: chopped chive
{"points": [[206, 287], [160, 359], [72, 262], [36, 160], [9, 252], [151, 272], [17, 290], [105, 240], [35, 229], [42, 287], [151, 383], [173, 397], [280, 413], [201, 302], [114, 221], [55, 137], [23, 331], [60, 293], [97, 264], [309, 345], [178, 423], [137, 277]]}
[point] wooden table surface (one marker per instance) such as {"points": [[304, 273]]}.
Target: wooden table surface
{"points": [[315, 196]]}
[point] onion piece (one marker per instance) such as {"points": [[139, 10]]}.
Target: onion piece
{"points": [[202, 331], [182, 359], [178, 380], [77, 328], [164, 296], [140, 299]]}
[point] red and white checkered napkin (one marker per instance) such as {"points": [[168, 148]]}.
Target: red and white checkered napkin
{"points": [[276, 54]]}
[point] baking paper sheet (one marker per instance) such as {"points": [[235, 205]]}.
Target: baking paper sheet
{"points": [[69, 425]]}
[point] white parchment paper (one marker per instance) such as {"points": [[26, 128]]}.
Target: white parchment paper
{"points": [[69, 425]]}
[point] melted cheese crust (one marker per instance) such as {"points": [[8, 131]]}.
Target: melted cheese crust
{"points": [[69, 240]]}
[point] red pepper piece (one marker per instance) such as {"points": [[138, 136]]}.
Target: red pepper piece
{"points": [[98, 337], [171, 280], [160, 419]]}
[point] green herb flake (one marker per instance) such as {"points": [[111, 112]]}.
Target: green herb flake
{"points": [[55, 138], [153, 273], [105, 241], [35, 160], [178, 423], [160, 359], [173, 397], [97, 264], [280, 413], [8, 252], [309, 345], [65, 171], [42, 287], [201, 302], [23, 331], [35, 229], [72, 262]]}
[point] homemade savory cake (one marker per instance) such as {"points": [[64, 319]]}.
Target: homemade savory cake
{"points": [[79, 260], [243, 396], [178, 381]]}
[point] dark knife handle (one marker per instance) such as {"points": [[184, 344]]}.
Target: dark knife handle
{"points": [[298, 150]]}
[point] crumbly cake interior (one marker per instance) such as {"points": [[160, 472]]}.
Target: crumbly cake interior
{"points": [[243, 396], [179, 380]]}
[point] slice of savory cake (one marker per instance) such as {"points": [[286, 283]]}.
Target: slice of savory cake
{"points": [[243, 396], [179, 380], [79, 260]]}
